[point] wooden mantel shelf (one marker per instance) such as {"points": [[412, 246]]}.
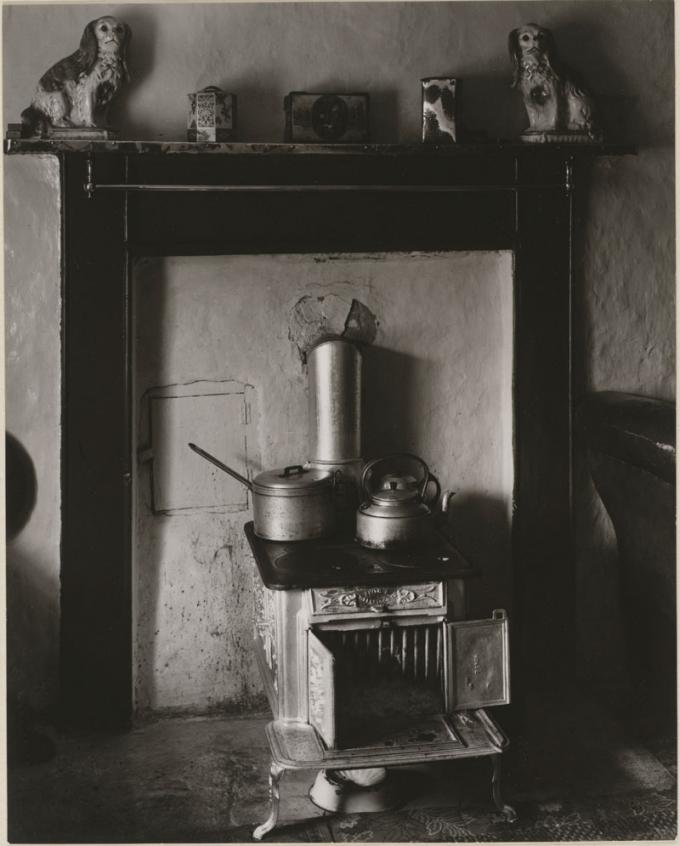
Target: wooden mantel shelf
{"points": [[200, 167], [44, 145]]}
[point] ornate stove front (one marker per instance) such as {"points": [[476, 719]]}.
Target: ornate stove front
{"points": [[368, 660], [365, 685]]}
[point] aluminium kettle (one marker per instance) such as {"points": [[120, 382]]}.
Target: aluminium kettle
{"points": [[397, 509]]}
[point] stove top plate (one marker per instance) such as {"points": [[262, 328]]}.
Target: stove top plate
{"points": [[347, 562], [338, 563]]}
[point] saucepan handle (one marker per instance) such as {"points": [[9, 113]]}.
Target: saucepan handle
{"points": [[293, 469], [218, 463]]}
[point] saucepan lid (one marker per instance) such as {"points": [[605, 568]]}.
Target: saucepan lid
{"points": [[294, 480]]}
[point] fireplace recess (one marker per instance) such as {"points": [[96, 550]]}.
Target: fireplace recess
{"points": [[219, 199]]}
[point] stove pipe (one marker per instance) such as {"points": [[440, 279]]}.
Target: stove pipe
{"points": [[334, 367]]}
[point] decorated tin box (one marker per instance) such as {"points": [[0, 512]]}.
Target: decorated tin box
{"points": [[326, 118], [439, 110], [212, 115]]}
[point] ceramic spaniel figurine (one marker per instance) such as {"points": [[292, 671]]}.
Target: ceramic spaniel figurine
{"points": [[77, 91], [555, 103]]}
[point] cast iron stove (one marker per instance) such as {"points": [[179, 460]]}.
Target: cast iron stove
{"points": [[368, 659]]}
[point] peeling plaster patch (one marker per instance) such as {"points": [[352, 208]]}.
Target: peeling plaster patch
{"points": [[314, 317], [361, 324]]}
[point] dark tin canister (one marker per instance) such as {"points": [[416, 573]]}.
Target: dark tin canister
{"points": [[326, 118]]}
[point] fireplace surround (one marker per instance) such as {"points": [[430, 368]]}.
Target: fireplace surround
{"points": [[121, 201]]}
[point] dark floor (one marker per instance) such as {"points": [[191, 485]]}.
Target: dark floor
{"points": [[574, 774]]}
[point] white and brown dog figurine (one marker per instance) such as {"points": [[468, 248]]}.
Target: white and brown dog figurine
{"points": [[77, 91], [555, 103]]}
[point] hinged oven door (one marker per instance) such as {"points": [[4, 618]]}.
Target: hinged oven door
{"points": [[476, 662], [321, 688]]}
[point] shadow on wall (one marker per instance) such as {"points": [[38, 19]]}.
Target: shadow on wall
{"points": [[583, 45], [384, 116], [488, 108], [256, 103], [141, 54], [391, 417], [392, 421], [30, 603], [146, 563], [599, 619], [479, 525]]}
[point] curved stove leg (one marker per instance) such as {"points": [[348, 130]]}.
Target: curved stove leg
{"points": [[507, 810], [274, 778]]}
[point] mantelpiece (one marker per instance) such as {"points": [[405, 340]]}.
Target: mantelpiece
{"points": [[284, 198], [45, 145]]}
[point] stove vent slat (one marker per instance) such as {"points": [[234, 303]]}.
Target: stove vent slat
{"points": [[413, 651], [427, 652], [383, 679]]}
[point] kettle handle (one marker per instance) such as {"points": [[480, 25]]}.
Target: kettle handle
{"points": [[438, 489], [368, 469]]}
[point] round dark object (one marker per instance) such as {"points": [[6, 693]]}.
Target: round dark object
{"points": [[432, 93], [21, 486], [330, 116]]}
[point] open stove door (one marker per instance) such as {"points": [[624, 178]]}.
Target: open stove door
{"points": [[321, 680], [477, 663]]}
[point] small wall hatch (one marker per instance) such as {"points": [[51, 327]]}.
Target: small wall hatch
{"points": [[215, 415]]}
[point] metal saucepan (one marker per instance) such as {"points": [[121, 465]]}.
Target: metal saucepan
{"points": [[294, 503]]}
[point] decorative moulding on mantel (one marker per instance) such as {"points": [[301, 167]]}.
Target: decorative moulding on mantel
{"points": [[57, 146]]}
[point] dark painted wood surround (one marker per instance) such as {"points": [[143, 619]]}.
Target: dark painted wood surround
{"points": [[328, 199]]}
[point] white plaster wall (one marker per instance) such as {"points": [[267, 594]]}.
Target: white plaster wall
{"points": [[261, 51], [438, 384], [33, 417], [625, 341], [625, 336]]}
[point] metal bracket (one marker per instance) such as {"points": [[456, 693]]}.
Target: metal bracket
{"points": [[89, 187], [569, 175]]}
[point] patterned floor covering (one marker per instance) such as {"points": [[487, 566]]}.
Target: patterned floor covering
{"points": [[646, 816], [576, 776]]}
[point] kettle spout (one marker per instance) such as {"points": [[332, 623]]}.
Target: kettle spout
{"points": [[447, 496]]}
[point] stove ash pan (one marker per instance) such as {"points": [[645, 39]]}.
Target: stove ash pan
{"points": [[368, 684]]}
